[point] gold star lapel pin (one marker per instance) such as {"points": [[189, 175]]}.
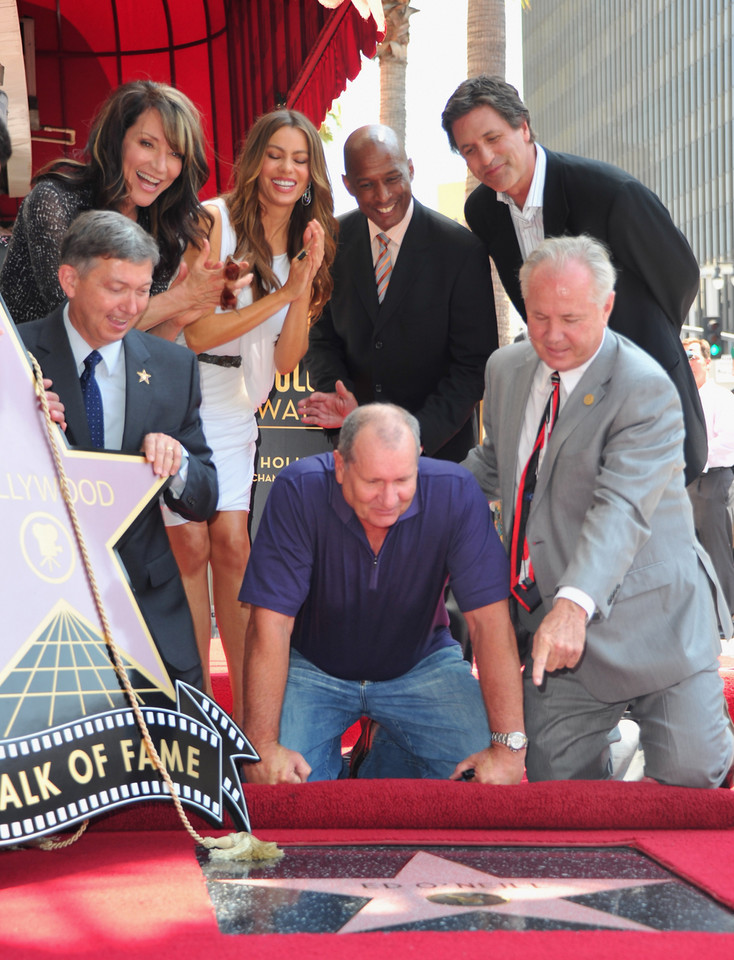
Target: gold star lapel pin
{"points": [[589, 399], [143, 376]]}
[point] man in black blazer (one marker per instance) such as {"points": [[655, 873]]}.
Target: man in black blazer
{"points": [[425, 344], [527, 193], [150, 402]]}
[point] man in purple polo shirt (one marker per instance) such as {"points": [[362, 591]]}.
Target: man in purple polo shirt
{"points": [[346, 582]]}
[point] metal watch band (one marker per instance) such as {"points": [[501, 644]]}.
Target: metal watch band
{"points": [[514, 741]]}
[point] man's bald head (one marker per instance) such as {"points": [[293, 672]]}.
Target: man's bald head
{"points": [[378, 174], [371, 136], [390, 423]]}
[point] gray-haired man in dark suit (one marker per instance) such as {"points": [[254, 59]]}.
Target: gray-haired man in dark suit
{"points": [[150, 400]]}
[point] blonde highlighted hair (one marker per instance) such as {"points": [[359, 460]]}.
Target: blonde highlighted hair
{"points": [[245, 213]]}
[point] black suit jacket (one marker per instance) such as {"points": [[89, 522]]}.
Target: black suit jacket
{"points": [[169, 404], [657, 273], [426, 345]]}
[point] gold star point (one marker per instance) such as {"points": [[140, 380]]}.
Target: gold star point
{"points": [[143, 376]]}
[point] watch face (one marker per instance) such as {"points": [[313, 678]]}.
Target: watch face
{"points": [[516, 741]]}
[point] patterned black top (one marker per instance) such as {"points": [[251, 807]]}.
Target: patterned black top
{"points": [[28, 279]]}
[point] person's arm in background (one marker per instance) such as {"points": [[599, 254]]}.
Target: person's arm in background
{"points": [[47, 213], [646, 242]]}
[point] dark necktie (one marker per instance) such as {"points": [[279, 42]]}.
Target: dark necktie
{"points": [[522, 583], [93, 399], [383, 267]]}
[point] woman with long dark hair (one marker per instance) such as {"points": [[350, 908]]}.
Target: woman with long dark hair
{"points": [[279, 218], [145, 158]]}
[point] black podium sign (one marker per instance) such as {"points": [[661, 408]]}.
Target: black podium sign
{"points": [[283, 438]]}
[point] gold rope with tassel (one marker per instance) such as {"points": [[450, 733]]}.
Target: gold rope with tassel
{"points": [[235, 846]]}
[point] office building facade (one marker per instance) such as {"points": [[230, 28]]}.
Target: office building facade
{"points": [[648, 86]]}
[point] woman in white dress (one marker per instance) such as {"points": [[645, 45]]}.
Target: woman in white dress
{"points": [[279, 218]]}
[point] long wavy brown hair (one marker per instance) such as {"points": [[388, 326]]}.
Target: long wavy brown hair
{"points": [[243, 203], [177, 218]]}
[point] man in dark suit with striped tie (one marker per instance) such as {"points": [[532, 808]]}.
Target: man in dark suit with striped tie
{"points": [[411, 320]]}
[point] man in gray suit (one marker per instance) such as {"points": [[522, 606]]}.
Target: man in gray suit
{"points": [[613, 590]]}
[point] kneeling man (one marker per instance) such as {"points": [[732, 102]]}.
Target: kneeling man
{"points": [[584, 446], [346, 581]]}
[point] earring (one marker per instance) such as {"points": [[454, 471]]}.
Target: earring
{"points": [[307, 196]]}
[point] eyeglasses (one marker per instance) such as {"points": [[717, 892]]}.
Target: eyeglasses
{"points": [[227, 299], [231, 269], [232, 272], [693, 356]]}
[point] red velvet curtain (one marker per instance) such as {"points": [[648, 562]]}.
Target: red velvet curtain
{"points": [[235, 59]]}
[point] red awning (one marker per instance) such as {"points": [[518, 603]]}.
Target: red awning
{"points": [[333, 59], [236, 59]]}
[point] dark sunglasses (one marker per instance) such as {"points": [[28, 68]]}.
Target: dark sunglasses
{"points": [[232, 272]]}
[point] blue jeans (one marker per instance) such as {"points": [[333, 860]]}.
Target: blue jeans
{"points": [[431, 717]]}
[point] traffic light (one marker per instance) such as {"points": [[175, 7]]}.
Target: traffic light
{"points": [[713, 335]]}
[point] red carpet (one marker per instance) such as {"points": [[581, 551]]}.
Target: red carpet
{"points": [[142, 894], [132, 886], [442, 805]]}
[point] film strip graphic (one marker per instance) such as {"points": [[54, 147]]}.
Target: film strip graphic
{"points": [[57, 777], [235, 747]]}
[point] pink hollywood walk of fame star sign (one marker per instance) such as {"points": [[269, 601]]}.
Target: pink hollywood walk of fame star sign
{"points": [[41, 568]]}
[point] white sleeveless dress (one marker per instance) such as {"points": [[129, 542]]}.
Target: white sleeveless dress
{"points": [[230, 396]]}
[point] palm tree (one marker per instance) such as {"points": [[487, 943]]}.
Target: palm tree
{"points": [[485, 37], [485, 53], [393, 56]]}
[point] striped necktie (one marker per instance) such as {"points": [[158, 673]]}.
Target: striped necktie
{"points": [[522, 578], [383, 267], [93, 399]]}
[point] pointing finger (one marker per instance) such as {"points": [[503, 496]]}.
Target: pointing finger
{"points": [[539, 670]]}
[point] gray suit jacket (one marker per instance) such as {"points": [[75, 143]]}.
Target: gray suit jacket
{"points": [[610, 515]]}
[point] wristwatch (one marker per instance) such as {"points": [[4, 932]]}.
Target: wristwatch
{"points": [[513, 741]]}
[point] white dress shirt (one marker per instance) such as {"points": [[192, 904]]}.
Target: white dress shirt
{"points": [[110, 376], [718, 412], [528, 222], [537, 400], [394, 235]]}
